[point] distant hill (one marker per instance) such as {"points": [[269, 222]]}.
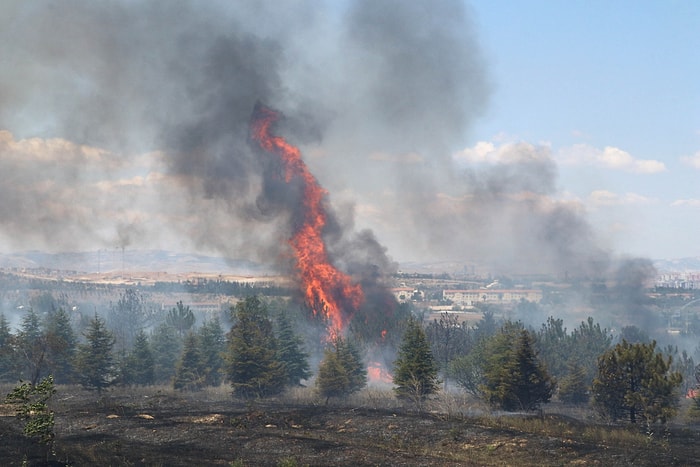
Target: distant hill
{"points": [[678, 265], [129, 261], [116, 260]]}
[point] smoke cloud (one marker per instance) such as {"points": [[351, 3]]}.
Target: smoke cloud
{"points": [[126, 124]]}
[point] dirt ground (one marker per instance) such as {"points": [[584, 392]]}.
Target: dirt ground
{"points": [[142, 427]]}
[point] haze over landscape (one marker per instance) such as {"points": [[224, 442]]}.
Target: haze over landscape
{"points": [[349, 232], [533, 136]]}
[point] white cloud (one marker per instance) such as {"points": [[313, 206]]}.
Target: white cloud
{"points": [[610, 157], [691, 202], [599, 198], [693, 161], [485, 152]]}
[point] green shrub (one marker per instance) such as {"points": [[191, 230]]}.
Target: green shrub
{"points": [[32, 408]]}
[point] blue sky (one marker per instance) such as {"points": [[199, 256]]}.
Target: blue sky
{"points": [[582, 76]]}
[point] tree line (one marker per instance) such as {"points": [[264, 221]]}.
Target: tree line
{"points": [[506, 364], [516, 368]]}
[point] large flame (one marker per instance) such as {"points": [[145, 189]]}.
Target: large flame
{"points": [[326, 289]]}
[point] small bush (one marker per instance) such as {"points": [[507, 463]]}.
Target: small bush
{"points": [[31, 401]]}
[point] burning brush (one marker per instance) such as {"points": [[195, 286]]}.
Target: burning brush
{"points": [[328, 290]]}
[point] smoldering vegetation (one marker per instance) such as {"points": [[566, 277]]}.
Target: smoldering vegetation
{"points": [[179, 411]]}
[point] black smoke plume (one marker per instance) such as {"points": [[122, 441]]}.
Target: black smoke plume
{"points": [[125, 124]]}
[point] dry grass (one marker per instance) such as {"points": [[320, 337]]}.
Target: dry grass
{"points": [[161, 426]]}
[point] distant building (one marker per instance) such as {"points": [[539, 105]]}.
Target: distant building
{"points": [[679, 280], [503, 296], [406, 294]]}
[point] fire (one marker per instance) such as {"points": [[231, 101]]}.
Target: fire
{"points": [[376, 373], [326, 288]]}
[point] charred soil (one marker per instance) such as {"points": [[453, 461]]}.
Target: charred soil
{"points": [[167, 428]]}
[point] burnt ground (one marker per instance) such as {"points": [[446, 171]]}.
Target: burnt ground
{"points": [[143, 427]]}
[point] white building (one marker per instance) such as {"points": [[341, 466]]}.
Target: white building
{"points": [[471, 297]]}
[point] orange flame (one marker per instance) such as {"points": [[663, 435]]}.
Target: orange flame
{"points": [[322, 283], [377, 373]]}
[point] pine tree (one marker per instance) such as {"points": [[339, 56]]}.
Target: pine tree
{"points": [[166, 347], [588, 342], [351, 359], [634, 380], [126, 318], [514, 377], [212, 346], [94, 359], [498, 351], [61, 343], [181, 318], [8, 357], [188, 372], [573, 387], [532, 384], [554, 346], [341, 371], [253, 367], [31, 347], [139, 365], [332, 379], [290, 352], [415, 369]]}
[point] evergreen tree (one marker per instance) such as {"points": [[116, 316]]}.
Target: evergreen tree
{"points": [[253, 367], [498, 351], [31, 347], [532, 384], [139, 365], [634, 380], [8, 357], [684, 364], [573, 388], [61, 344], [588, 342], [487, 326], [332, 379], [94, 359], [351, 359], [166, 347], [290, 352], [212, 346], [126, 318], [415, 370], [554, 346], [188, 372], [514, 377], [341, 371], [181, 318]]}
